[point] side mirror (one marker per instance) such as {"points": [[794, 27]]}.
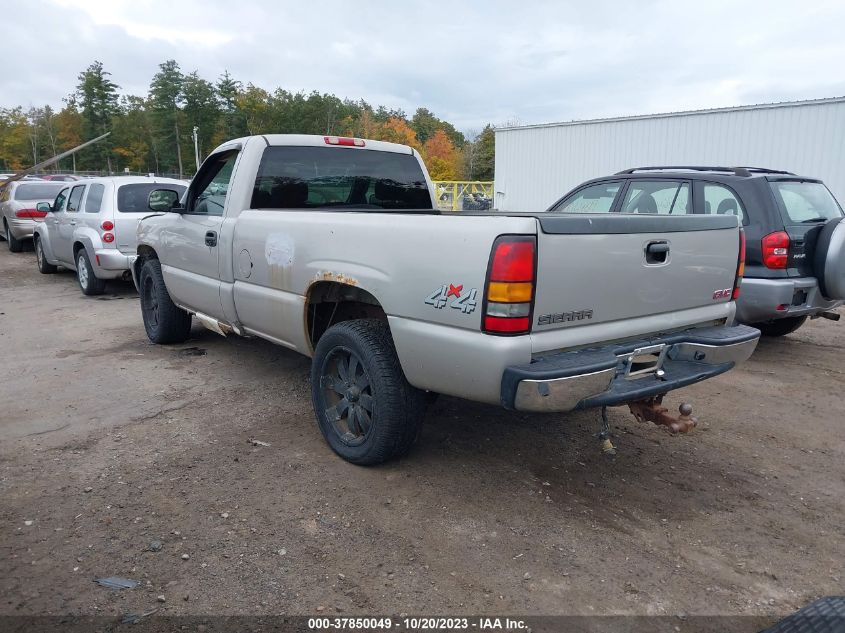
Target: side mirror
{"points": [[44, 207], [163, 200]]}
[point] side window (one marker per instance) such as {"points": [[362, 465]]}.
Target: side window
{"points": [[75, 198], [663, 197], [59, 203], [593, 199], [210, 187], [94, 198], [719, 200]]}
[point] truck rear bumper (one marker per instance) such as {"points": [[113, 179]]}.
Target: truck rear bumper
{"points": [[608, 375], [767, 299]]}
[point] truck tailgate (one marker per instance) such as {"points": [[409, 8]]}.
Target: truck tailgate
{"points": [[599, 268]]}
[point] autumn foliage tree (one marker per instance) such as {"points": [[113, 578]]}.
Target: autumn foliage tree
{"points": [[153, 132]]}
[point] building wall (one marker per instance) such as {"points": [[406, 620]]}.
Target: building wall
{"points": [[536, 165]]}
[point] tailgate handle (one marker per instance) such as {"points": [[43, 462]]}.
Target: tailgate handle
{"points": [[657, 252]]}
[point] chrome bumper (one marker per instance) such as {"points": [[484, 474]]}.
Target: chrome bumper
{"points": [[604, 376], [797, 296]]}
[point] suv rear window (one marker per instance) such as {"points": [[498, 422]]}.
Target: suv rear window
{"points": [[38, 192], [806, 202], [134, 198], [293, 177]]}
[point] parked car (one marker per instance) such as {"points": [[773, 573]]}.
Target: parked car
{"points": [[332, 247], [795, 237], [91, 227], [18, 209]]}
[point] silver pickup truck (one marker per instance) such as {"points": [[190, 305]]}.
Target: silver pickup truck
{"points": [[332, 247]]}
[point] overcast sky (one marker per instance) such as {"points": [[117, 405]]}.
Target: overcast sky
{"points": [[469, 62]]}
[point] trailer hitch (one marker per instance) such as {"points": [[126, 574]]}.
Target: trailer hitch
{"points": [[651, 410]]}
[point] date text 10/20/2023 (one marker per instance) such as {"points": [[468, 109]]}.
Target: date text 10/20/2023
{"points": [[417, 624]]}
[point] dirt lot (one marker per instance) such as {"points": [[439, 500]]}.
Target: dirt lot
{"points": [[110, 443]]}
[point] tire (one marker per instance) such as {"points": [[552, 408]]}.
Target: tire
{"points": [[164, 321], [88, 281], [44, 267], [355, 371], [781, 327], [828, 263], [15, 245]]}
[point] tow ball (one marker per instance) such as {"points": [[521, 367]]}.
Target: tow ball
{"points": [[652, 410]]}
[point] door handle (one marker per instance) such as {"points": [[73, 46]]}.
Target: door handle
{"points": [[657, 252], [211, 238], [73, 222]]}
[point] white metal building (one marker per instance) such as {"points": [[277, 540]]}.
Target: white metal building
{"points": [[537, 164]]}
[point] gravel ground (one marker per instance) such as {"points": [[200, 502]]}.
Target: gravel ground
{"points": [[110, 444]]}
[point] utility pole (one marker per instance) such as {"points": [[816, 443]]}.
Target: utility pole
{"points": [[196, 147]]}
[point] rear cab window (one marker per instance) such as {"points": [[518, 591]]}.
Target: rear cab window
{"points": [[135, 197], [332, 178], [805, 202]]}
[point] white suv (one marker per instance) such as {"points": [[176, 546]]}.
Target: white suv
{"points": [[91, 226]]}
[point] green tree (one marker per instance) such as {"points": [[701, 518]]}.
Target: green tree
{"points": [[164, 100], [231, 123], [201, 109], [481, 156], [96, 95], [425, 124]]}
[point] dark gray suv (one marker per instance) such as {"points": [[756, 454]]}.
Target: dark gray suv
{"points": [[795, 236]]}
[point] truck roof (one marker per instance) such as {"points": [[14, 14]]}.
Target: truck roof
{"points": [[316, 140]]}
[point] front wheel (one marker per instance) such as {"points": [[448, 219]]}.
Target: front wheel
{"points": [[781, 327], [164, 321], [89, 283], [44, 267], [366, 409]]}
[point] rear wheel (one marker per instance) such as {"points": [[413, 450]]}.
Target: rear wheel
{"points": [[781, 327], [89, 283], [15, 245], [366, 409], [164, 321], [44, 267]]}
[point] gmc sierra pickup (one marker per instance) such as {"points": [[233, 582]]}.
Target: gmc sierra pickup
{"points": [[333, 247]]}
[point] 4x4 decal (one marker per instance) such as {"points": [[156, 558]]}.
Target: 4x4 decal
{"points": [[465, 302]]}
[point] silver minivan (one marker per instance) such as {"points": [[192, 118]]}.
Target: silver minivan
{"points": [[91, 226]]}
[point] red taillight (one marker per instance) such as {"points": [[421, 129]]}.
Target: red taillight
{"points": [[776, 250], [32, 214], [740, 265], [107, 226], [509, 291], [513, 261], [108, 238], [344, 140]]}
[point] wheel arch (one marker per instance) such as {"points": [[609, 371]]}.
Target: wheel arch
{"points": [[328, 302]]}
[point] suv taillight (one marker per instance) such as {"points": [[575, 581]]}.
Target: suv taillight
{"points": [[509, 291], [776, 250], [740, 265]]}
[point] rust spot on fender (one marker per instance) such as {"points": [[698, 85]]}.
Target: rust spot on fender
{"points": [[338, 277]]}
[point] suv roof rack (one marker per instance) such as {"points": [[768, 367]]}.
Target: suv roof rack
{"points": [[737, 171]]}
